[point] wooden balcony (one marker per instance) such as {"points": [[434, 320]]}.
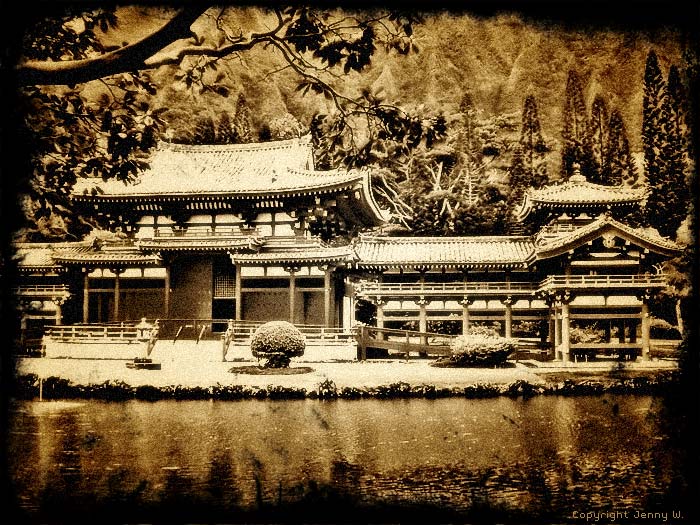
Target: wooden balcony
{"points": [[196, 232], [42, 290], [446, 290], [598, 282]]}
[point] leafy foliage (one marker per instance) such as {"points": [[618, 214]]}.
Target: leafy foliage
{"points": [[286, 127], [432, 173], [68, 135], [106, 126]]}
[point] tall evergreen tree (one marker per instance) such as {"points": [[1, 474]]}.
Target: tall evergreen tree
{"points": [[576, 143], [528, 167], [620, 167], [653, 139], [224, 129], [598, 139], [670, 191], [533, 145], [468, 146], [242, 121]]}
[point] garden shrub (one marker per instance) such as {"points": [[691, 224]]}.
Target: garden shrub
{"points": [[585, 334], [662, 329], [277, 342], [479, 351]]}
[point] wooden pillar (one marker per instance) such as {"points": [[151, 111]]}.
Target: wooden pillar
{"points": [[557, 328], [550, 332], [565, 337], [23, 328], [166, 293], [86, 296], [606, 328], [508, 302], [239, 294], [422, 319], [380, 313], [327, 296], [465, 315], [117, 285], [58, 315], [646, 332], [292, 293]]}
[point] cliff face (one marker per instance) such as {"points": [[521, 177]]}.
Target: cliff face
{"points": [[500, 59]]}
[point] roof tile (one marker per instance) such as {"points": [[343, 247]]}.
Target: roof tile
{"points": [[443, 251], [268, 168]]}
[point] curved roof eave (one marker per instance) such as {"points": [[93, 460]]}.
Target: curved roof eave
{"points": [[378, 215]]}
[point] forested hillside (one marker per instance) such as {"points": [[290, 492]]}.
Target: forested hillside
{"points": [[500, 60]]}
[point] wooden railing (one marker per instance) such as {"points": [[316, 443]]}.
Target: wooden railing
{"points": [[172, 330], [41, 289], [602, 281], [457, 289], [198, 232], [92, 333], [401, 341]]}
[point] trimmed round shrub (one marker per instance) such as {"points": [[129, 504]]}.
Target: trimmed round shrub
{"points": [[277, 342], [479, 351]]}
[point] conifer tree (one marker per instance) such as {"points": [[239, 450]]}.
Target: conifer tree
{"points": [[665, 148], [652, 139], [598, 138], [670, 194], [518, 178], [224, 130], [528, 168], [468, 145], [575, 140], [620, 167], [242, 121], [533, 145]]}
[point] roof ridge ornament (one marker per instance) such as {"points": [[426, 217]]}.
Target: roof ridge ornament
{"points": [[577, 177]]}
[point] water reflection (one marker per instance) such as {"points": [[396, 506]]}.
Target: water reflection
{"points": [[542, 456]]}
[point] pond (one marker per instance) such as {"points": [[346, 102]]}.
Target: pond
{"points": [[544, 457]]}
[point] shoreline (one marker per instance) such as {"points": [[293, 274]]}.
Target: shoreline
{"points": [[111, 380]]}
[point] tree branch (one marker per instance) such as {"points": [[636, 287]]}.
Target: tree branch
{"points": [[125, 59]]}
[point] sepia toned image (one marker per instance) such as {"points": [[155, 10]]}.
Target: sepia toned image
{"points": [[350, 263]]}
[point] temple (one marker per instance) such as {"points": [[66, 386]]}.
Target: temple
{"points": [[253, 232]]}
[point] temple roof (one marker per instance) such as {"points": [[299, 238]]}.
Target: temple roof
{"points": [[455, 252], [578, 193], [293, 251], [199, 243], [95, 255], [549, 243], [36, 256], [245, 170]]}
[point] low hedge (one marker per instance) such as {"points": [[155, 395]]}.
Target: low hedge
{"points": [[27, 387]]}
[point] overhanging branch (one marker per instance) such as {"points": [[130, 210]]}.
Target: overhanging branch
{"points": [[131, 57]]}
